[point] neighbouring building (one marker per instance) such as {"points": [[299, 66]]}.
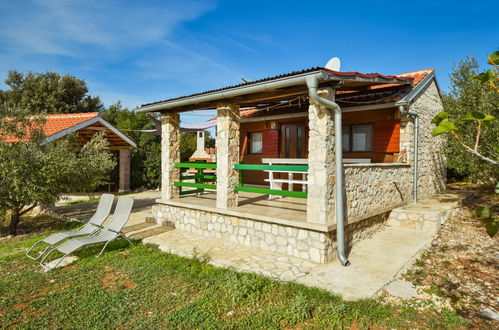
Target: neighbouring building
{"points": [[85, 125]]}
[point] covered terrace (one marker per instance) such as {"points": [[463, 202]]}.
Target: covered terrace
{"points": [[216, 203]]}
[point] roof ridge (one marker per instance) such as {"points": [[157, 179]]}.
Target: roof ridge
{"points": [[71, 115], [415, 72]]}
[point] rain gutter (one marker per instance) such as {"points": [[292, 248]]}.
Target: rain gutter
{"points": [[235, 92]]}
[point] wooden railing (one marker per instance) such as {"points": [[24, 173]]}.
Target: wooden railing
{"points": [[273, 168], [206, 181], [200, 178]]}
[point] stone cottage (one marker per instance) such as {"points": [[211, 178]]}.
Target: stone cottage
{"points": [[281, 184]]}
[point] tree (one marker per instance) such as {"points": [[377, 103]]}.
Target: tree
{"points": [[146, 158], [35, 173], [475, 99], [469, 118], [48, 93]]}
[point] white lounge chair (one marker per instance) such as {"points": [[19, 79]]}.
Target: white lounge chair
{"points": [[106, 235], [91, 227]]}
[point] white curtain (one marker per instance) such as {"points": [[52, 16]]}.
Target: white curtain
{"points": [[256, 143], [362, 138]]}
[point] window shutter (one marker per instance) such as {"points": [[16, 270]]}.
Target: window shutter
{"points": [[387, 136], [243, 143], [271, 142]]}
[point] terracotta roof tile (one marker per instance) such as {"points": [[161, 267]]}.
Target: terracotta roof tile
{"points": [[56, 123]]}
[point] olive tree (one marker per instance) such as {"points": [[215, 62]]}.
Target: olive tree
{"points": [[34, 173], [470, 120]]}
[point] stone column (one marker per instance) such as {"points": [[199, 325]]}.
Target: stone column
{"points": [[227, 143], [124, 170], [170, 154], [320, 201]]}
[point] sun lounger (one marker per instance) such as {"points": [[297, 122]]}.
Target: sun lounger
{"points": [[106, 235], [91, 227]]}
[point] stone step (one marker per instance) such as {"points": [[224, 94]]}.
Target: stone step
{"points": [[151, 232], [136, 227], [416, 219], [428, 214]]}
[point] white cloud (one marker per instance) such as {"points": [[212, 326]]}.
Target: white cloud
{"points": [[134, 51], [68, 27]]}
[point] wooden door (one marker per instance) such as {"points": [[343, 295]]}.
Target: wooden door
{"points": [[293, 145], [293, 141]]}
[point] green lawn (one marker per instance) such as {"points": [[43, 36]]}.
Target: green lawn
{"points": [[141, 287]]}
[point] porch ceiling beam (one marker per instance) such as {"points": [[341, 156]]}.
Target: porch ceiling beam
{"points": [[249, 100]]}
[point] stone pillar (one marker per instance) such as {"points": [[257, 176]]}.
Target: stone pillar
{"points": [[406, 139], [320, 201], [124, 170], [227, 143], [170, 154]]}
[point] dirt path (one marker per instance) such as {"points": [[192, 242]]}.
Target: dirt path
{"points": [[83, 211], [462, 266]]}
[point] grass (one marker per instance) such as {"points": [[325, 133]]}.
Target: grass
{"points": [[141, 287]]}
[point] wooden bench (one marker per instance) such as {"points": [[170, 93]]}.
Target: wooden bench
{"points": [[276, 183]]}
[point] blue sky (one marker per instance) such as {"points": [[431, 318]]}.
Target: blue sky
{"points": [[145, 51]]}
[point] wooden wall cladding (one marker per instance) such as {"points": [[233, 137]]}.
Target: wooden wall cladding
{"points": [[271, 142], [386, 136]]}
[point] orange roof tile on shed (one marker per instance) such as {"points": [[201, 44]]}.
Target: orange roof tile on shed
{"points": [[57, 125], [53, 124], [60, 122]]}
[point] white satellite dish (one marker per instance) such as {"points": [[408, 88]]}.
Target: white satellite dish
{"points": [[333, 64]]}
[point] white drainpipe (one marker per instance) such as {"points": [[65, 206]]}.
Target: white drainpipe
{"points": [[312, 84]]}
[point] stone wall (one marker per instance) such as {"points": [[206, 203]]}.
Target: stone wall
{"points": [[375, 188], [317, 246], [432, 171]]}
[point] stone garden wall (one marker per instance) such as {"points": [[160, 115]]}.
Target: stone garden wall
{"points": [[317, 246], [372, 189]]}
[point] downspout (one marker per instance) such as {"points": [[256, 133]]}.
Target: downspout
{"points": [[415, 171], [312, 84]]}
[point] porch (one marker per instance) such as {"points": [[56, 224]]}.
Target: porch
{"points": [[216, 201]]}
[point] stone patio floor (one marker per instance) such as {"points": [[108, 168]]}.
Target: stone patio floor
{"points": [[375, 262]]}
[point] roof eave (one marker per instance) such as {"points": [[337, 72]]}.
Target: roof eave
{"points": [[86, 123], [416, 91], [323, 76]]}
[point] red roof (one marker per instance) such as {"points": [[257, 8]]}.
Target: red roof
{"points": [[54, 124]]}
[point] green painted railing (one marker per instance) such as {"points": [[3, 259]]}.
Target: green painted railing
{"points": [[204, 181], [277, 168], [199, 178], [266, 191]]}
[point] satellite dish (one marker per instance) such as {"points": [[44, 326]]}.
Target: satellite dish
{"points": [[333, 64]]}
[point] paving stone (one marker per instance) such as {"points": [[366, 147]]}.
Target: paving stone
{"points": [[402, 289], [67, 261]]}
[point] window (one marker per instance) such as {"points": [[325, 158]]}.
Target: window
{"points": [[255, 143], [346, 138], [358, 138]]}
